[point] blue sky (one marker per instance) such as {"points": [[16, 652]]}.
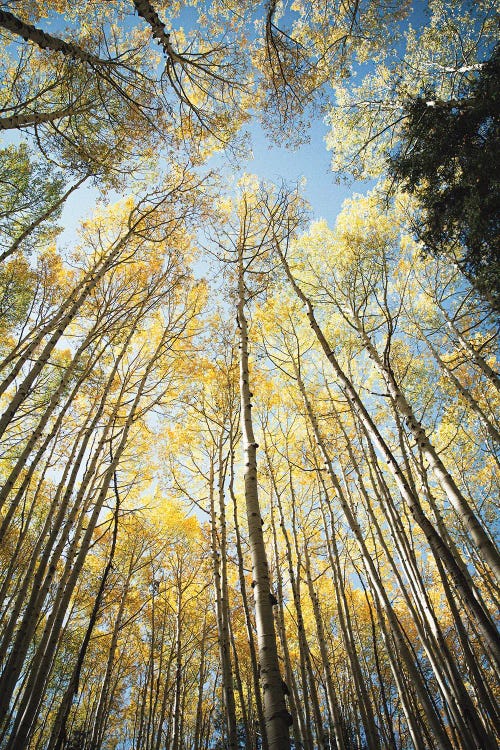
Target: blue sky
{"points": [[311, 161]]}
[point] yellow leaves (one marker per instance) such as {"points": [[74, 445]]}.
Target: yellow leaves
{"points": [[249, 186], [225, 207], [364, 224], [106, 223], [171, 518], [363, 232], [18, 268], [409, 246]]}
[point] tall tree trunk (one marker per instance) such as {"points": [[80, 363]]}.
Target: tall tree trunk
{"points": [[246, 608], [219, 555], [177, 703], [42, 661], [299, 727], [453, 691], [277, 718], [102, 712], [308, 685], [379, 588], [42, 39], [49, 558], [198, 730]]}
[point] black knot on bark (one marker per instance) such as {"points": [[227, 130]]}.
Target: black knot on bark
{"points": [[284, 686], [284, 715]]}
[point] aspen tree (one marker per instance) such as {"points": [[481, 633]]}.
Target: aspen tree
{"points": [[373, 600], [277, 718], [321, 735], [99, 720], [52, 552], [148, 208], [290, 353], [439, 733], [333, 702], [365, 705], [42, 660], [483, 542], [439, 548], [430, 633], [41, 585], [103, 327], [244, 596], [31, 211]]}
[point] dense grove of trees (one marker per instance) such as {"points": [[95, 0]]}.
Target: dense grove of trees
{"points": [[257, 511]]}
